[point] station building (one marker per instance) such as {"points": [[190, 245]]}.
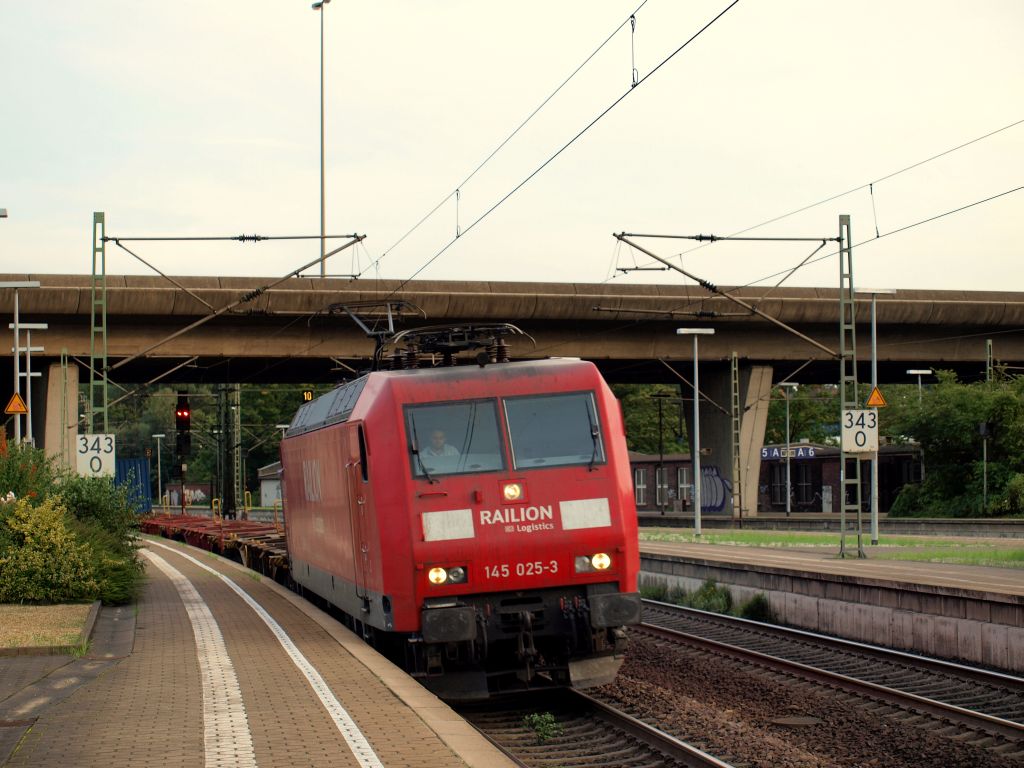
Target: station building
{"points": [[665, 483]]}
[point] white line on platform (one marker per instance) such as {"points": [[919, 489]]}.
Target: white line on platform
{"points": [[225, 724], [346, 726]]}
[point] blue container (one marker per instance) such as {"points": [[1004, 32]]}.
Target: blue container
{"points": [[134, 473]]}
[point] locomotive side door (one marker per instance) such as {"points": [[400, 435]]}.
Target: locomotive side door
{"points": [[357, 477]]}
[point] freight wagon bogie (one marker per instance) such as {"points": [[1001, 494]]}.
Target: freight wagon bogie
{"points": [[476, 522]]}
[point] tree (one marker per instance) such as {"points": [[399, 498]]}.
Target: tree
{"points": [[640, 411], [813, 415], [951, 422], [150, 411]]}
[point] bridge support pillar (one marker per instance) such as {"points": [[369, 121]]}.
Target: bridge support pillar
{"points": [[716, 436], [61, 414]]}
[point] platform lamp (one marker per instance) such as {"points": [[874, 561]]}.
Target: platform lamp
{"points": [[319, 6], [874, 293], [919, 372], [695, 448], [159, 477], [787, 386]]}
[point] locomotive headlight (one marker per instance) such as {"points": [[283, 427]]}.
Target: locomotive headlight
{"points": [[601, 561], [454, 575], [512, 491], [591, 563]]}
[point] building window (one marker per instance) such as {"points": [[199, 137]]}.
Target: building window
{"points": [[804, 484], [683, 484], [661, 486], [778, 477], [640, 486]]}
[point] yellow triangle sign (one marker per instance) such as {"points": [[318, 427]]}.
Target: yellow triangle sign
{"points": [[875, 399], [16, 405]]}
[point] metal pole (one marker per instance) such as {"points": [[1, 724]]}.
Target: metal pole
{"points": [[789, 491], [17, 368], [159, 476], [319, 6], [874, 385], [696, 445], [29, 437], [984, 471], [661, 463]]}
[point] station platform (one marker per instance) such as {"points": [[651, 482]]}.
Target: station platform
{"points": [[965, 612], [216, 666], [830, 521]]}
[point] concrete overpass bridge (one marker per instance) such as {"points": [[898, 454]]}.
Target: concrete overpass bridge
{"points": [[293, 332]]}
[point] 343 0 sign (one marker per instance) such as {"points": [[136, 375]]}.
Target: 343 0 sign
{"points": [[96, 455], [860, 431]]}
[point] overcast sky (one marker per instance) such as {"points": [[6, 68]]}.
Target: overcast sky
{"points": [[202, 118]]}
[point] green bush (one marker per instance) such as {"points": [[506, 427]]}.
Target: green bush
{"points": [[544, 725], [1012, 501], [653, 589], [118, 572], [42, 560], [25, 471], [710, 597], [97, 499], [757, 609]]}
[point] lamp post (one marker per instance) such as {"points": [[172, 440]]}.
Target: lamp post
{"points": [[319, 6], [786, 387], [695, 448], [874, 292], [159, 476], [919, 372]]}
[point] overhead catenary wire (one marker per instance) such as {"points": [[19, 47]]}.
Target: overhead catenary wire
{"points": [[808, 261], [875, 239], [886, 177], [456, 191], [681, 308], [867, 185], [568, 144]]}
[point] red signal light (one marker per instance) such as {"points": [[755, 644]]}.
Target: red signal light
{"points": [[182, 413]]}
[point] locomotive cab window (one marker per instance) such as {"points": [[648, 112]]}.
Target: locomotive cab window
{"points": [[453, 438], [554, 430]]}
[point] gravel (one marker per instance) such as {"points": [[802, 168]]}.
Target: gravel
{"points": [[759, 718]]}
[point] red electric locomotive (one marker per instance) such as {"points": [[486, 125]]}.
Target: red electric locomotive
{"points": [[476, 521]]}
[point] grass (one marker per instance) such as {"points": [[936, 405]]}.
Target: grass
{"points": [[977, 555], [30, 626], [1003, 553]]}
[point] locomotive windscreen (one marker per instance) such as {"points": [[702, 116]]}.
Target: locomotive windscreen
{"points": [[554, 430], [454, 438]]}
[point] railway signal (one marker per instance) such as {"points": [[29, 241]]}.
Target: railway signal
{"points": [[183, 426], [183, 414]]}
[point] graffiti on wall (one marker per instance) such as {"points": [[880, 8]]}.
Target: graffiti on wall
{"points": [[715, 490]]}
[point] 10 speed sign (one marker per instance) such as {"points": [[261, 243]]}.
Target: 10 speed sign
{"points": [[860, 431], [96, 455]]}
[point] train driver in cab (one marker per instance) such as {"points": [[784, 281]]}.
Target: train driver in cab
{"points": [[439, 445]]}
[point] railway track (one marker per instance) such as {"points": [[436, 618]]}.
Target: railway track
{"points": [[986, 707], [569, 729]]}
